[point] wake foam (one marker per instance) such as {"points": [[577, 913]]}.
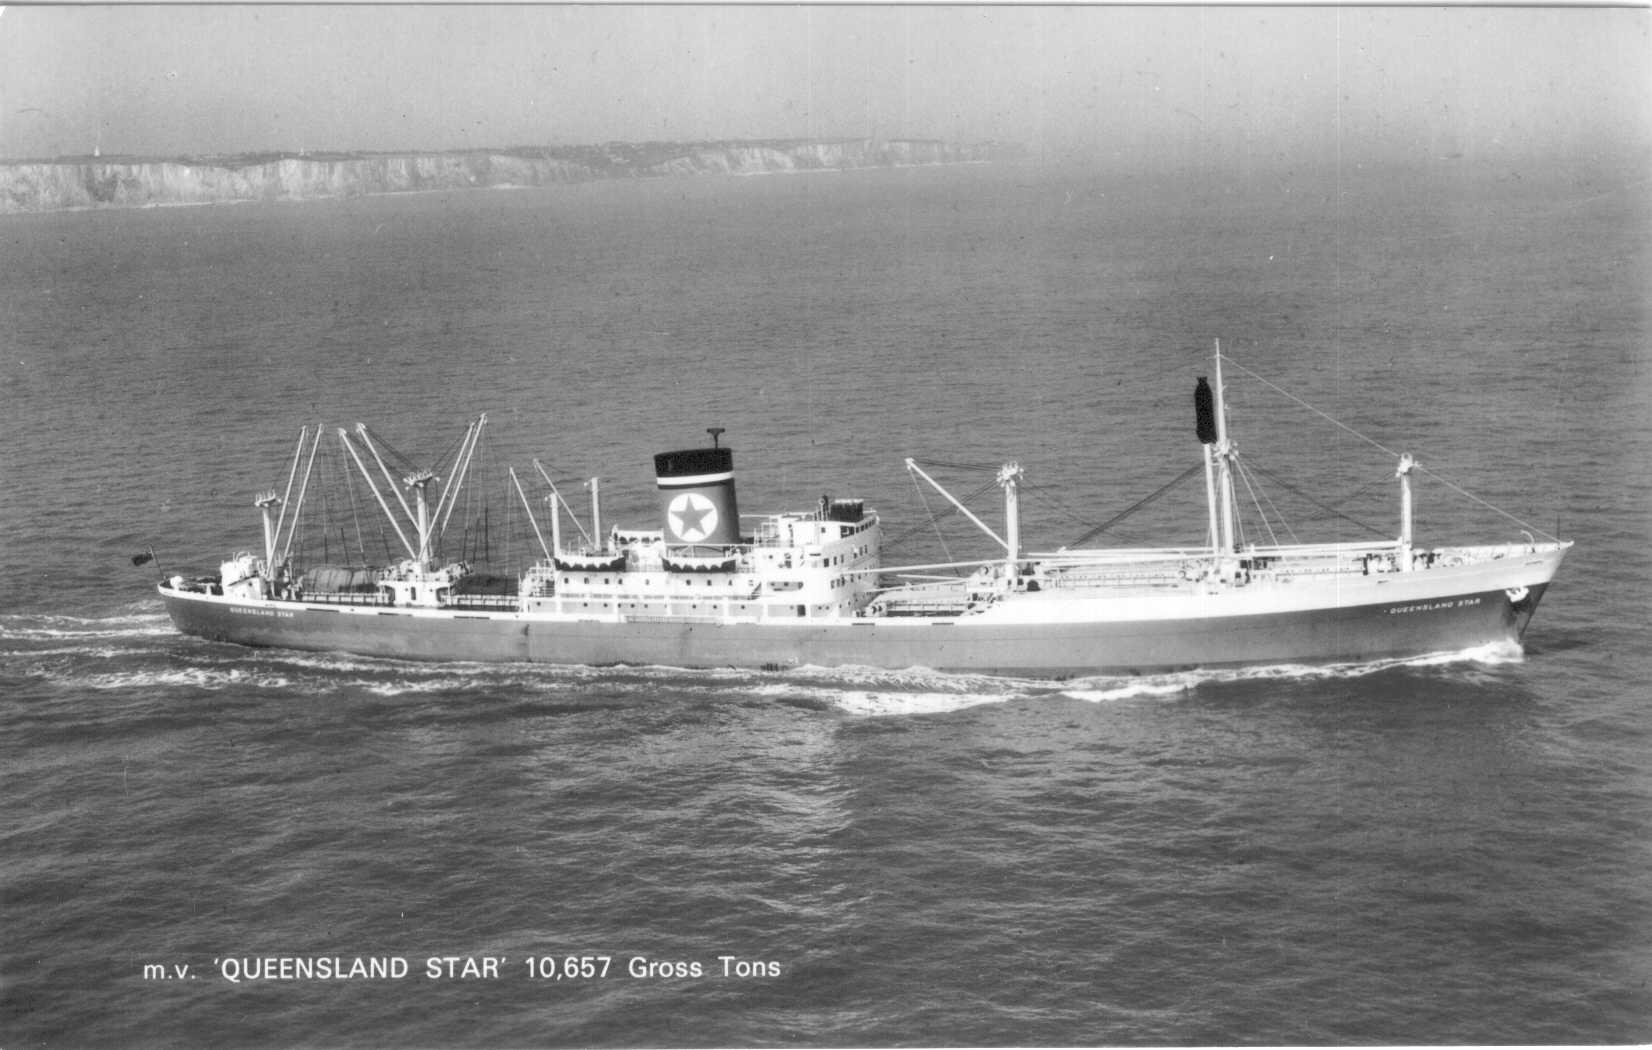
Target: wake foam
{"points": [[871, 692], [854, 691], [48, 627], [1103, 689], [1106, 691], [208, 678]]}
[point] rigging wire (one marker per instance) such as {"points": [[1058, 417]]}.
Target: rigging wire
{"points": [[1251, 490], [1362, 490], [402, 461], [977, 468], [1448, 483], [932, 519], [1491, 507], [1328, 418], [1054, 498], [1326, 507], [1284, 522], [481, 460], [510, 526], [468, 544], [355, 516], [326, 524], [296, 538], [1136, 506], [578, 524]]}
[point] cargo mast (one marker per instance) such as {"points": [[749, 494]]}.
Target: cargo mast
{"points": [[1211, 424], [1224, 457]]}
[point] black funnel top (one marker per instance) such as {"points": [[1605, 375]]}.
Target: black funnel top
{"points": [[1204, 411], [692, 461]]}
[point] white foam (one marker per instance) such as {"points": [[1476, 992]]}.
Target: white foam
{"points": [[195, 677], [400, 688], [914, 678], [894, 695], [338, 663], [101, 652], [52, 627], [875, 692], [859, 702], [860, 691], [1490, 654], [1135, 688], [1107, 689]]}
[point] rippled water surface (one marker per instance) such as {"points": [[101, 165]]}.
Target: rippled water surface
{"points": [[1444, 850]]}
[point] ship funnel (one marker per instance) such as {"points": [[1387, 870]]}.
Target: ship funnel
{"points": [[697, 496], [1204, 412]]}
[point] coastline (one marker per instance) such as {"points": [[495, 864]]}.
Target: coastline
{"points": [[79, 184]]}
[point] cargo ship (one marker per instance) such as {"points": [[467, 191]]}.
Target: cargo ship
{"points": [[706, 587]]}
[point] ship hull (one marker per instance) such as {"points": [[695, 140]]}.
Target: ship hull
{"points": [[1408, 621]]}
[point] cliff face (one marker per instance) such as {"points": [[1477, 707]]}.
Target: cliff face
{"points": [[57, 185], [758, 158]]}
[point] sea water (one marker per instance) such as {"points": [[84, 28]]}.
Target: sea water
{"points": [[209, 845]]}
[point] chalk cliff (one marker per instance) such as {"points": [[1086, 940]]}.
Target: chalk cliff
{"points": [[39, 186]]}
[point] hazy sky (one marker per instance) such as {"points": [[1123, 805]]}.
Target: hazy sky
{"points": [[1306, 84]]}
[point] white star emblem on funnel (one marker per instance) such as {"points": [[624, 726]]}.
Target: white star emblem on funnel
{"points": [[693, 517]]}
